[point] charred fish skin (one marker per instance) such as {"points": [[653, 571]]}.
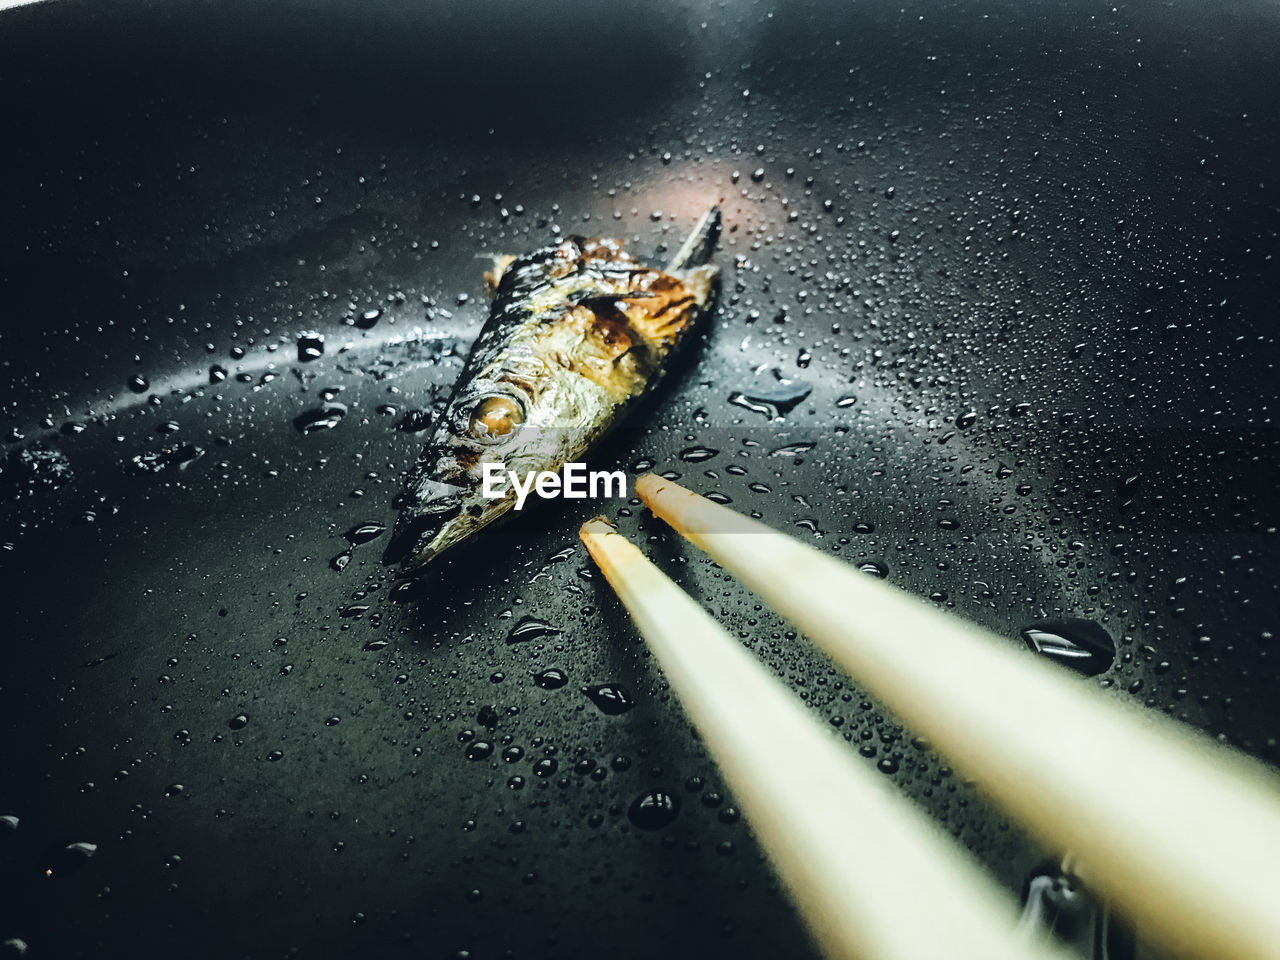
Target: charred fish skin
{"points": [[577, 332]]}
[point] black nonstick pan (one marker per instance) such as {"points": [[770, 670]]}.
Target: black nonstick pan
{"points": [[997, 322]]}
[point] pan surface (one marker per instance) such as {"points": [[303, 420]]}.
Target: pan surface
{"points": [[1017, 267]]}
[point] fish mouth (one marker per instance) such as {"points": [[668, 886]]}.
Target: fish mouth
{"points": [[432, 505]]}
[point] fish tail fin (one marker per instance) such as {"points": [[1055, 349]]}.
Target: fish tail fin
{"points": [[701, 243]]}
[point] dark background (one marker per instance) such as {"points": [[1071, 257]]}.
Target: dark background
{"points": [[1059, 218]]}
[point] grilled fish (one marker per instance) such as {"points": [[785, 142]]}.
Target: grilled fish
{"points": [[577, 332]]}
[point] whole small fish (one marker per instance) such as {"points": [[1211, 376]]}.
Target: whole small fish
{"points": [[577, 332]]}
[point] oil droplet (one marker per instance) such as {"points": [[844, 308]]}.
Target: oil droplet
{"points": [[1082, 645], [321, 418], [530, 628], [611, 698], [654, 810]]}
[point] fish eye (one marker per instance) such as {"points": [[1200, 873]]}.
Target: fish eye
{"points": [[495, 418]]}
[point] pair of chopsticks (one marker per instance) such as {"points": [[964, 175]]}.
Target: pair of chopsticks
{"points": [[1179, 833]]}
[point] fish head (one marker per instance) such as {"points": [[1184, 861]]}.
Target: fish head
{"points": [[511, 427]]}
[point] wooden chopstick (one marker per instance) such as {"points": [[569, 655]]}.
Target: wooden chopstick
{"points": [[874, 878], [1180, 833]]}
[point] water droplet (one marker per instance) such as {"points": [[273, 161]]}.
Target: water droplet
{"points": [[364, 532], [1082, 645], [530, 628], [339, 562], [368, 318], [611, 698], [697, 454], [138, 384], [793, 449], [408, 591], [772, 402], [848, 400], [320, 418], [479, 750], [654, 810], [966, 420], [217, 373], [239, 721], [810, 524], [310, 346], [157, 461], [551, 679], [69, 859], [414, 421], [874, 568], [1058, 902], [9, 822]]}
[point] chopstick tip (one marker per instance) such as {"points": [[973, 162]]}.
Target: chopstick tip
{"points": [[596, 526], [650, 484]]}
